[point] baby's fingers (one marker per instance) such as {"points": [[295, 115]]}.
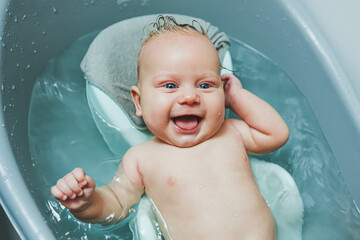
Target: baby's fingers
{"points": [[55, 191], [74, 186], [65, 189], [80, 176], [230, 79]]}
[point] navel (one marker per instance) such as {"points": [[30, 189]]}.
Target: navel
{"points": [[171, 181]]}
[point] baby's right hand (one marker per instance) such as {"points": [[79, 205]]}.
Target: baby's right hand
{"points": [[232, 87], [75, 191]]}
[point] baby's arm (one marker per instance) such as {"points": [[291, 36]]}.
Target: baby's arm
{"points": [[262, 128], [105, 204]]}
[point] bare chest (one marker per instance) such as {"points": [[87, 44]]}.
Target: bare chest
{"points": [[210, 184], [189, 175]]}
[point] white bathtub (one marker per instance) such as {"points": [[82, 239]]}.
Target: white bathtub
{"points": [[314, 57]]}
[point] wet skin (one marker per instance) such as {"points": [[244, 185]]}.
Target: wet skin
{"points": [[196, 168]]}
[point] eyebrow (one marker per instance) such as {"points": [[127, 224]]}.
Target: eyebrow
{"points": [[173, 76], [205, 75], [164, 75]]}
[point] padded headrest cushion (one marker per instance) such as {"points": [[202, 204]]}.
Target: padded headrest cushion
{"points": [[111, 60]]}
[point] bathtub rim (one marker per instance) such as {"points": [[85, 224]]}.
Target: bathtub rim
{"points": [[336, 69], [14, 205]]}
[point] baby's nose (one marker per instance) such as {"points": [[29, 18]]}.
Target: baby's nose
{"points": [[189, 96]]}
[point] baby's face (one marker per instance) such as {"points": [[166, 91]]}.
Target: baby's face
{"points": [[180, 94]]}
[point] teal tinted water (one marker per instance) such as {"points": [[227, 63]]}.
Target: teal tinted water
{"points": [[63, 135]]}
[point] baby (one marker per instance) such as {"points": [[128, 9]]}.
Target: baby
{"points": [[195, 169]]}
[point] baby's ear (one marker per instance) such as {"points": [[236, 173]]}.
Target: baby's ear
{"points": [[135, 95]]}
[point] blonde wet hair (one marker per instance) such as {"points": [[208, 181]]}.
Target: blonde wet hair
{"points": [[166, 25]]}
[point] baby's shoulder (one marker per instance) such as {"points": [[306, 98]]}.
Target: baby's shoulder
{"points": [[232, 129], [132, 162], [135, 151], [140, 150], [231, 125]]}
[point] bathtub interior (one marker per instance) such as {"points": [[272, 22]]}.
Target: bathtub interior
{"points": [[7, 230], [35, 31]]}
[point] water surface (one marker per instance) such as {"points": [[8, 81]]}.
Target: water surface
{"points": [[63, 135]]}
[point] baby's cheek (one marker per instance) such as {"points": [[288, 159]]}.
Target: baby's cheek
{"points": [[154, 125], [220, 117], [220, 110], [150, 122]]}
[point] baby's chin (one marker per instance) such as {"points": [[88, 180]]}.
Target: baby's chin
{"points": [[186, 141], [185, 145]]}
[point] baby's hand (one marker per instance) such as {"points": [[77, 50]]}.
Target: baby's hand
{"points": [[75, 191], [232, 87]]}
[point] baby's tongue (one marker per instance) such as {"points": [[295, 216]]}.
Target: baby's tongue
{"points": [[186, 122]]}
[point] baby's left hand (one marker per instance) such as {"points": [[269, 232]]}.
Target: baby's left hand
{"points": [[232, 87]]}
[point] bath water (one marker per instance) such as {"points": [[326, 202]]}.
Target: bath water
{"points": [[63, 135]]}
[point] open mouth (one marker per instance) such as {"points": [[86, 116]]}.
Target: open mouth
{"points": [[187, 123]]}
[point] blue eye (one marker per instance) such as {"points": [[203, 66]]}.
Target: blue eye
{"points": [[204, 86], [170, 85]]}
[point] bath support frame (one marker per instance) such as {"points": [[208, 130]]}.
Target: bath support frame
{"points": [[34, 31]]}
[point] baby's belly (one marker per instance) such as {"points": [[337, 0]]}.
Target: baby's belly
{"points": [[213, 206]]}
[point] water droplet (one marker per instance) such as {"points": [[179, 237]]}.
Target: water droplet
{"points": [[16, 19], [110, 217], [4, 108], [54, 10], [18, 65], [13, 87], [121, 2], [3, 45], [34, 51], [33, 43], [2, 87], [23, 17], [43, 33], [28, 66], [116, 179]]}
